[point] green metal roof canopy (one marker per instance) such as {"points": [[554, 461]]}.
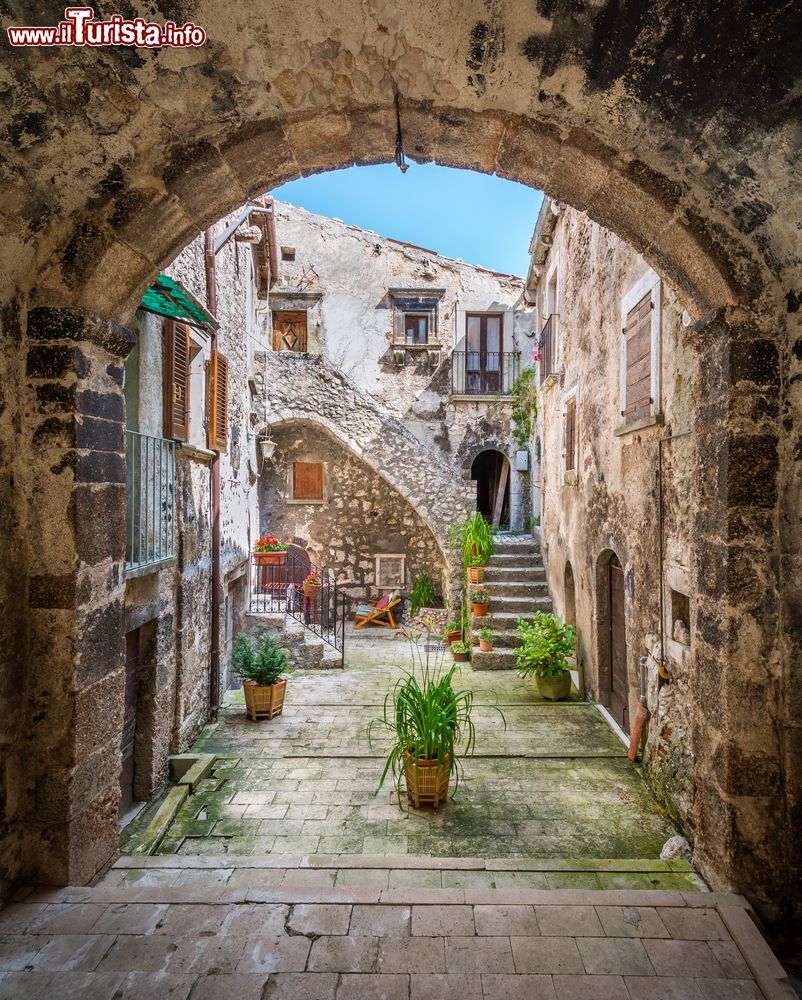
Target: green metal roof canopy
{"points": [[166, 297]]}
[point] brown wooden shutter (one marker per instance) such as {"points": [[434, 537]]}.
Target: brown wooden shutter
{"points": [[289, 331], [307, 481], [218, 402], [638, 333], [570, 435], [176, 380]]}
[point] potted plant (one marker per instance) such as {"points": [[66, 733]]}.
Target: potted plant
{"points": [[480, 598], [485, 640], [460, 651], [312, 585], [269, 551], [429, 724], [452, 632], [260, 663], [545, 647], [476, 570], [475, 538]]}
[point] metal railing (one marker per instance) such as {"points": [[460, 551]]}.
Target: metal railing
{"points": [[278, 587], [548, 348], [150, 497], [478, 373]]}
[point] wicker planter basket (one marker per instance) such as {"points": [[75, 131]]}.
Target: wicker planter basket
{"points": [[264, 702], [479, 610], [476, 574], [270, 558], [426, 781]]}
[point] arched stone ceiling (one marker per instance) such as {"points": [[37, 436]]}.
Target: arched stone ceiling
{"points": [[675, 124]]}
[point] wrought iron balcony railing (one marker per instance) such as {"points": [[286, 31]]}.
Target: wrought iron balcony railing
{"points": [[150, 493], [480, 373], [548, 348]]}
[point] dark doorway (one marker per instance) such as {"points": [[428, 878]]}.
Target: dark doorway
{"points": [[619, 687], [129, 721], [491, 470]]}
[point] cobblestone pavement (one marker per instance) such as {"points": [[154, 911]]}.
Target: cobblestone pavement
{"points": [[554, 783]]}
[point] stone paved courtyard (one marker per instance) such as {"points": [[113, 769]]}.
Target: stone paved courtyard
{"points": [[555, 783]]}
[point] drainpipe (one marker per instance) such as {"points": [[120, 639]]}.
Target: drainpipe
{"points": [[661, 532], [214, 625]]}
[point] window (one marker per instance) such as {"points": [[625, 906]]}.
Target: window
{"points": [[307, 481], [640, 351], [484, 360], [288, 253], [570, 436], [680, 618], [390, 571], [289, 331], [416, 328]]}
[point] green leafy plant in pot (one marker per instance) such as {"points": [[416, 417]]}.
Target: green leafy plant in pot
{"points": [[452, 631], [480, 598], [485, 640], [261, 664], [475, 538], [429, 724], [461, 652], [543, 654]]}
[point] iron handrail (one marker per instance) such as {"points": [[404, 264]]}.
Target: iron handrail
{"points": [[483, 373], [548, 348]]}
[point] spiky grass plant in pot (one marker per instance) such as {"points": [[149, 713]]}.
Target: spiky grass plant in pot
{"points": [[429, 724]]}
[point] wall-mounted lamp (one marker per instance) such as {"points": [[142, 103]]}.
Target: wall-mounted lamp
{"points": [[267, 446]]}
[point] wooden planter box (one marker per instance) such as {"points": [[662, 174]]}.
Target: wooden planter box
{"points": [[270, 558], [476, 574], [263, 701], [479, 610], [427, 782]]}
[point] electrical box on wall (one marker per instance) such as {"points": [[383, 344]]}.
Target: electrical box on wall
{"points": [[522, 461]]}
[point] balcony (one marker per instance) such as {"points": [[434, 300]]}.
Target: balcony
{"points": [[548, 348], [480, 373], [150, 496]]}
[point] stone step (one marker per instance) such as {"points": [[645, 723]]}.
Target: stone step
{"points": [[527, 588], [514, 574], [504, 620], [517, 559], [519, 603], [516, 543], [499, 658]]}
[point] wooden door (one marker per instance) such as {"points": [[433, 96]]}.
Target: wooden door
{"points": [[619, 687], [129, 721], [483, 353], [289, 331]]}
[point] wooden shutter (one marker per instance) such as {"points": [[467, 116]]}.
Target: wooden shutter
{"points": [[307, 481], [638, 333], [570, 436], [176, 380], [218, 402], [289, 331]]}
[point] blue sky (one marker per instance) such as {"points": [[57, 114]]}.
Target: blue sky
{"points": [[482, 219]]}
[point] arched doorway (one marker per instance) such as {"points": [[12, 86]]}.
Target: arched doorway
{"points": [[491, 470], [611, 638], [569, 596]]}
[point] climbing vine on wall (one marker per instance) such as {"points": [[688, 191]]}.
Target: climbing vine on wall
{"points": [[524, 406]]}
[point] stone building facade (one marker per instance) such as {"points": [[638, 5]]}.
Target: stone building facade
{"points": [[426, 350], [613, 488]]}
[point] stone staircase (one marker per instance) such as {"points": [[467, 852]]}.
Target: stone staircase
{"points": [[305, 649], [517, 579]]}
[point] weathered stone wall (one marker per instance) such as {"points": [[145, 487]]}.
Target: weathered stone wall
{"points": [[351, 325], [611, 503], [362, 515]]}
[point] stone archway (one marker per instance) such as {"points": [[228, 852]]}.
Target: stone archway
{"points": [[687, 159], [490, 470]]}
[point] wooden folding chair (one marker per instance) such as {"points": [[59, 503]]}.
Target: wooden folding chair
{"points": [[372, 614]]}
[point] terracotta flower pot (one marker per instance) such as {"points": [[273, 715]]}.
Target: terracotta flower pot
{"points": [[264, 701], [556, 688], [476, 574], [426, 780], [270, 558], [453, 635], [311, 590], [485, 645], [479, 610], [460, 657]]}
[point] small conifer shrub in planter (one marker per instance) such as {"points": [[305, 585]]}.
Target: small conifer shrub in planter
{"points": [[485, 640], [261, 663], [429, 725], [269, 551], [452, 632], [480, 598], [460, 651], [543, 654]]}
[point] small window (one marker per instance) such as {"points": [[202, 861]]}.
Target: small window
{"points": [[307, 481], [416, 328], [680, 618], [390, 571], [570, 436], [288, 253]]}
